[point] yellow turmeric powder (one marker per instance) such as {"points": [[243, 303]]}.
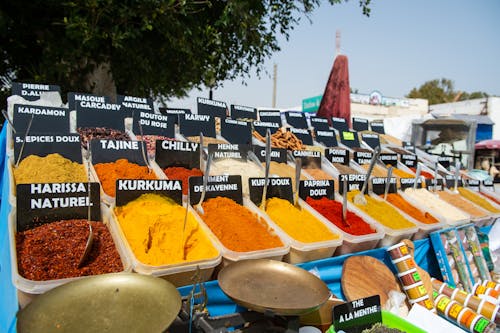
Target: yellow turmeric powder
{"points": [[298, 224], [477, 199], [52, 168], [153, 226], [382, 212], [283, 170]]}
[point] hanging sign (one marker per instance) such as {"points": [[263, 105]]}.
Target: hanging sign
{"points": [[363, 157], [107, 151], [171, 153], [272, 116], [154, 124], [319, 123], [128, 190], [277, 188], [217, 186], [409, 182], [372, 140], [44, 117], [296, 119], [354, 182], [327, 137], [410, 160], [278, 155], [194, 124], [317, 189], [135, 103], [389, 158], [86, 100], [302, 134], [339, 124], [236, 131], [377, 126], [66, 145], [243, 112], [222, 151], [359, 124], [337, 155], [310, 158], [349, 139], [379, 183], [174, 112], [262, 126]]}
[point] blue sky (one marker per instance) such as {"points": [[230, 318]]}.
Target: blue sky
{"points": [[400, 46]]}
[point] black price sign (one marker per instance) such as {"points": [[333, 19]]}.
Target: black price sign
{"points": [[363, 157], [319, 123], [236, 131], [296, 119], [445, 161], [327, 138], [154, 124], [107, 151], [84, 106], [85, 100], [310, 158], [135, 103], [434, 184], [44, 117], [43, 203], [194, 124], [40, 144], [473, 184], [389, 158], [378, 185], [222, 151], [488, 184], [337, 155], [302, 134], [217, 186], [101, 118], [262, 126], [174, 112], [372, 140], [212, 108], [349, 139], [277, 154], [32, 91], [410, 160], [276, 188], [177, 153], [316, 189], [450, 181], [354, 182], [409, 146], [243, 112], [409, 182], [355, 316], [378, 126], [359, 124], [128, 190], [270, 116], [339, 124]]}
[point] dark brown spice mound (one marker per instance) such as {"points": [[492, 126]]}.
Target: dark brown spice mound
{"points": [[53, 250]]}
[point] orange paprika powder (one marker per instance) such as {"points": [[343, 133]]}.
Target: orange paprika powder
{"points": [[238, 228], [108, 173], [399, 202]]}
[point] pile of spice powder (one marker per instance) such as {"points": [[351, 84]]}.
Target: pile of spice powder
{"points": [[382, 212], [299, 224], [53, 250], [377, 171], [108, 173], [153, 226], [52, 168], [237, 227], [458, 201], [423, 173], [182, 174], [431, 201], [332, 210], [283, 170], [398, 201], [400, 173], [246, 169], [478, 200], [94, 133], [491, 197], [318, 174]]}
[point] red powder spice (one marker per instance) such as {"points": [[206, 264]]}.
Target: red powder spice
{"points": [[332, 210], [423, 173], [490, 197], [183, 174]]}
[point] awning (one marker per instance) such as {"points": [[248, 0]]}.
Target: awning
{"points": [[488, 144], [479, 119]]}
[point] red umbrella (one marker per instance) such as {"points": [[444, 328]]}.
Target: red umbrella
{"points": [[336, 101]]}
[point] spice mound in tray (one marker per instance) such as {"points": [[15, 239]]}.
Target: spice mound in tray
{"points": [[182, 174], [150, 141], [382, 212], [298, 223], [318, 174], [53, 250], [478, 200], [89, 133], [108, 173], [153, 227], [399, 202], [423, 173], [332, 210], [236, 167], [206, 140], [432, 201], [458, 201], [238, 228], [52, 168], [283, 170]]}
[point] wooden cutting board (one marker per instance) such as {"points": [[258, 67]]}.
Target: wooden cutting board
{"points": [[364, 276]]}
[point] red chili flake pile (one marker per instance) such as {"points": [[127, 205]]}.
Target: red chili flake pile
{"points": [[53, 250], [182, 174]]}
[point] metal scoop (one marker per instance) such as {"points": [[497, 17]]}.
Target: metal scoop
{"points": [[298, 168], [24, 140], [6, 116], [388, 182], [183, 249], [199, 208], [360, 199], [434, 181], [344, 205], [266, 173], [143, 148], [90, 239], [417, 176]]}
